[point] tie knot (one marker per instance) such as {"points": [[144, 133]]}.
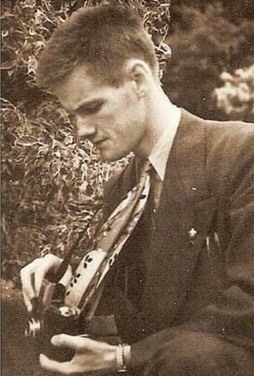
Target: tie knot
{"points": [[146, 168], [150, 170]]}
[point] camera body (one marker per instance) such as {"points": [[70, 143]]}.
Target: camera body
{"points": [[55, 319]]}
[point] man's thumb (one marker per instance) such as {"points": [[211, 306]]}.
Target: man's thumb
{"points": [[64, 340]]}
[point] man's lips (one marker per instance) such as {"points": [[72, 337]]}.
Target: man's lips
{"points": [[98, 143]]}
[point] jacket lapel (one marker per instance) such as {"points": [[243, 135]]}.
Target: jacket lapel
{"points": [[182, 223]]}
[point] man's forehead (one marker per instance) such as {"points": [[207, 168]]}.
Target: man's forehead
{"points": [[78, 75], [76, 87]]}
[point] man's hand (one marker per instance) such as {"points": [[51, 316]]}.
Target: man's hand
{"points": [[89, 356], [32, 276]]}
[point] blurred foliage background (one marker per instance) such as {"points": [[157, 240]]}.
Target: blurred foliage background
{"points": [[51, 182]]}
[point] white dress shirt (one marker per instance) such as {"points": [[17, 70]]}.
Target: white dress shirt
{"points": [[160, 153]]}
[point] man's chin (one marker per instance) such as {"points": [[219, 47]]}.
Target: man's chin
{"points": [[108, 156]]}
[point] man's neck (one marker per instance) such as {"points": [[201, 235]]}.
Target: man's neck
{"points": [[158, 119]]}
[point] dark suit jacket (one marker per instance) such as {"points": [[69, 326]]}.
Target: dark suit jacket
{"points": [[203, 282]]}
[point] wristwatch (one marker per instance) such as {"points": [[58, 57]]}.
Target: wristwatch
{"points": [[121, 366]]}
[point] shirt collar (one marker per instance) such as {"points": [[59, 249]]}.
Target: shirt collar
{"points": [[160, 152]]}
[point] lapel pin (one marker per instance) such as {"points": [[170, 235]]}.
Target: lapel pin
{"points": [[192, 233]]}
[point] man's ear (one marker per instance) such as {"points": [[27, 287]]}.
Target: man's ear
{"points": [[138, 73]]}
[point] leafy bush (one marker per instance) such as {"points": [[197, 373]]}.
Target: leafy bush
{"points": [[237, 94], [204, 45]]}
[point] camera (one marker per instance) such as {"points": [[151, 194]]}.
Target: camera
{"points": [[45, 322]]}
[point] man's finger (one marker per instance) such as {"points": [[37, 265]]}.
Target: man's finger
{"points": [[66, 277], [27, 275], [54, 366], [73, 342], [27, 302], [38, 279]]}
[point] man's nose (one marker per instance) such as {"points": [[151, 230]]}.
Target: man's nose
{"points": [[84, 128]]}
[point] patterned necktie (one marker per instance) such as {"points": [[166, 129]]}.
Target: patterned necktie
{"points": [[108, 243]]}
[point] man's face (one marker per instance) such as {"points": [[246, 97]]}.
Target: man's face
{"points": [[112, 118]]}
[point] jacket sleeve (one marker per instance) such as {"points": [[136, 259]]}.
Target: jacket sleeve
{"points": [[231, 315]]}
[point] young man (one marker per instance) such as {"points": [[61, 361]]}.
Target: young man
{"points": [[187, 305]]}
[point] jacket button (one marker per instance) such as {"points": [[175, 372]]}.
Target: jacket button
{"points": [[192, 233]]}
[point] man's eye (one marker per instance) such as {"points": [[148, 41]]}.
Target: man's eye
{"points": [[91, 109]]}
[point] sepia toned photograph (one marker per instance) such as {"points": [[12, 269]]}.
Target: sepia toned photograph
{"points": [[127, 187]]}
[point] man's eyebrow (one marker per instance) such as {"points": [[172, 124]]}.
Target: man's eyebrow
{"points": [[88, 104]]}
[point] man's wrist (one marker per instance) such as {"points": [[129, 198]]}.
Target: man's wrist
{"points": [[110, 357]]}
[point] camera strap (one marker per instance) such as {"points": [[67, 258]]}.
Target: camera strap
{"points": [[107, 245]]}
